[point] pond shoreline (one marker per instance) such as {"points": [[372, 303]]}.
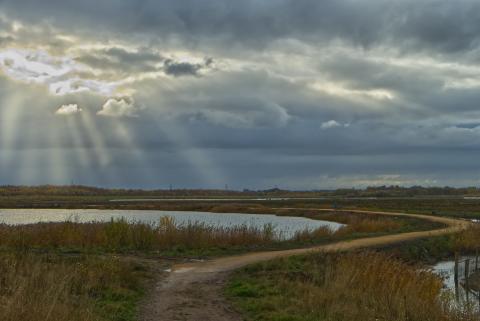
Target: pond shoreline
{"points": [[288, 225]]}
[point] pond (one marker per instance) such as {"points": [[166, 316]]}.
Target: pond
{"points": [[286, 225]]}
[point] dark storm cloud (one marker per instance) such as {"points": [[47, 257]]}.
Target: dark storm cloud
{"points": [[181, 68], [252, 98], [141, 55], [305, 93], [431, 24], [468, 126], [140, 60], [364, 74]]}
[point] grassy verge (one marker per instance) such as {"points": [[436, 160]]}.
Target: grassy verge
{"points": [[337, 287], [75, 288]]}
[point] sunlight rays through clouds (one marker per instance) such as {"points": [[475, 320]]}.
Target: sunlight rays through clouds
{"points": [[249, 93], [87, 126]]}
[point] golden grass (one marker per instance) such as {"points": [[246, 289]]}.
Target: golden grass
{"points": [[376, 287], [120, 235], [361, 223], [341, 287], [354, 225], [34, 288], [366, 225], [468, 240]]}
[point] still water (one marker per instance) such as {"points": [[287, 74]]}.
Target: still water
{"points": [[285, 225], [446, 270]]}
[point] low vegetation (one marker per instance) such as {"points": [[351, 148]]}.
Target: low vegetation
{"points": [[434, 249], [468, 240], [71, 271], [391, 284], [337, 287], [54, 288], [376, 191], [459, 202], [123, 236], [194, 238], [355, 226], [453, 207]]}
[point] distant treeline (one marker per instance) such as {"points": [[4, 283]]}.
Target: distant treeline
{"points": [[399, 191], [78, 190], [377, 191]]}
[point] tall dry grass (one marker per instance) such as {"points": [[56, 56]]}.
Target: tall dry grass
{"points": [[353, 225], [121, 235], [361, 223], [468, 240], [342, 287], [375, 287], [34, 288]]}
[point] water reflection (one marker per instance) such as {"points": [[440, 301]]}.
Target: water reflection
{"points": [[463, 291]]}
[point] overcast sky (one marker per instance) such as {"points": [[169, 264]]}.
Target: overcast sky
{"points": [[299, 94]]}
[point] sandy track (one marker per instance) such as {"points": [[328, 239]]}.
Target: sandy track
{"points": [[193, 291]]}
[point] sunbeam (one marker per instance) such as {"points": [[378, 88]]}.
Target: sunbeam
{"points": [[102, 157], [11, 112], [83, 157], [205, 167], [59, 160], [142, 163]]}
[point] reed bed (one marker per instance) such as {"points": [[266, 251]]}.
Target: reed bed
{"points": [[367, 225], [167, 235], [363, 223], [337, 287], [121, 235], [468, 240], [353, 226]]}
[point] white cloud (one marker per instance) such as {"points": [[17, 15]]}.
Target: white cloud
{"points": [[69, 109], [331, 124], [76, 85], [56, 72], [119, 107], [33, 66]]}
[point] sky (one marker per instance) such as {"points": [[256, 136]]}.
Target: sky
{"points": [[298, 94]]}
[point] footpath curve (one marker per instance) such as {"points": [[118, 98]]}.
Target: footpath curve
{"points": [[193, 291]]}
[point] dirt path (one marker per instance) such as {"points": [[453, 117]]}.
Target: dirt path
{"points": [[193, 291]]}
